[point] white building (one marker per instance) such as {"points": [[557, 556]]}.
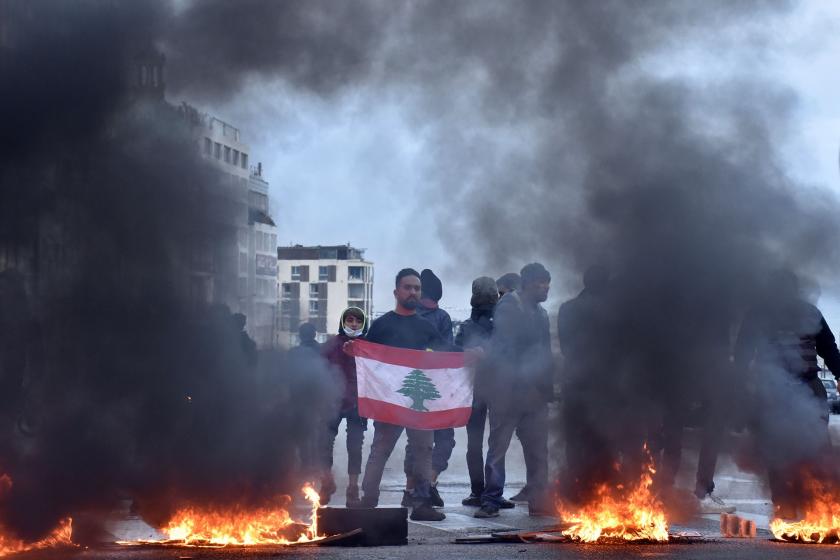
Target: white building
{"points": [[255, 293], [317, 284]]}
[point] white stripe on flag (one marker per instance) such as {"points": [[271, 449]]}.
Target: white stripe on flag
{"points": [[381, 381]]}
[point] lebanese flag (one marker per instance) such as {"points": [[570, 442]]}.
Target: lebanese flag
{"points": [[413, 388]]}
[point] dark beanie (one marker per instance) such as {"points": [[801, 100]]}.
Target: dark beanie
{"points": [[484, 292], [430, 285], [534, 272]]}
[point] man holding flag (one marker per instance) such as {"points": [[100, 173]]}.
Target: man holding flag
{"points": [[402, 386]]}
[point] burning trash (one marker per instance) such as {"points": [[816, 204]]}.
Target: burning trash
{"points": [[237, 527], [619, 512], [821, 521], [60, 537]]}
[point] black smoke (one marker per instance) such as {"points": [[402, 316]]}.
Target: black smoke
{"points": [[119, 380], [586, 150], [552, 132]]}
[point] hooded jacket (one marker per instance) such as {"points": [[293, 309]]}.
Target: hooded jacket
{"points": [[791, 337], [432, 291], [333, 351], [429, 310], [521, 353]]}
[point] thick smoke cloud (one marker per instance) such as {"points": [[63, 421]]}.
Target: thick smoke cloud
{"points": [[550, 136], [320, 46], [585, 154], [117, 384]]}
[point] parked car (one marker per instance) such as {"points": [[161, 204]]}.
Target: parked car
{"points": [[833, 395]]}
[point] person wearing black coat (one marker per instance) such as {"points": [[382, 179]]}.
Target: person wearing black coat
{"points": [[477, 332]]}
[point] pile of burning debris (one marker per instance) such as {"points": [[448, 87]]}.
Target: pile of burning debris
{"points": [[217, 529], [617, 514]]}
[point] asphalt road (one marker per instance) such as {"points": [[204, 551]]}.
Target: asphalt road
{"points": [[434, 541]]}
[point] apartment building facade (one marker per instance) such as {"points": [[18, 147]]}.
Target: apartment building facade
{"points": [[254, 257], [317, 283]]}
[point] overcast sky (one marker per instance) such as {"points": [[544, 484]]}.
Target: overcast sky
{"points": [[354, 167]]}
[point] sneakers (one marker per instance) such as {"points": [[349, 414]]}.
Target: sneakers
{"points": [[506, 504], [486, 512], [522, 496], [426, 512], [712, 504], [437, 501], [471, 501]]}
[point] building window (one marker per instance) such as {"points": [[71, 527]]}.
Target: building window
{"points": [[235, 157], [323, 273], [313, 307], [217, 150], [273, 246], [296, 273], [227, 154], [244, 160], [208, 146], [287, 290], [243, 237], [355, 291], [355, 272], [243, 262], [313, 291], [243, 287]]}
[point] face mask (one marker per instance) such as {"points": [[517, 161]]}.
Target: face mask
{"points": [[352, 333]]}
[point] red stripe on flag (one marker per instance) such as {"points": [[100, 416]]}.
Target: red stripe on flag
{"points": [[419, 359], [402, 416]]}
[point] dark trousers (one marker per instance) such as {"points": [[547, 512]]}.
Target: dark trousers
{"points": [[475, 448], [713, 428], [532, 428], [589, 458], [355, 429], [385, 437], [444, 443], [786, 480]]}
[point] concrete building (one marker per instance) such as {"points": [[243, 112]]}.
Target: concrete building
{"points": [[255, 255], [317, 284]]}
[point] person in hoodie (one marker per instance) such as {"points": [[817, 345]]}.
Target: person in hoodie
{"points": [[352, 325], [431, 294], [777, 349], [519, 389], [476, 332]]}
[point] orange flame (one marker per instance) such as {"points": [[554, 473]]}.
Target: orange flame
{"points": [[238, 527], [61, 536], [821, 523], [619, 512]]}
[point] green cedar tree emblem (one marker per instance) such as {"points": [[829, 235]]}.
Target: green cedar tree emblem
{"points": [[419, 388]]}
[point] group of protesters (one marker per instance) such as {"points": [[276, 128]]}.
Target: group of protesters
{"points": [[508, 334]]}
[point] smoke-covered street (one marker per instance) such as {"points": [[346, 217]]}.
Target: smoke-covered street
{"points": [[603, 237], [740, 488]]}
